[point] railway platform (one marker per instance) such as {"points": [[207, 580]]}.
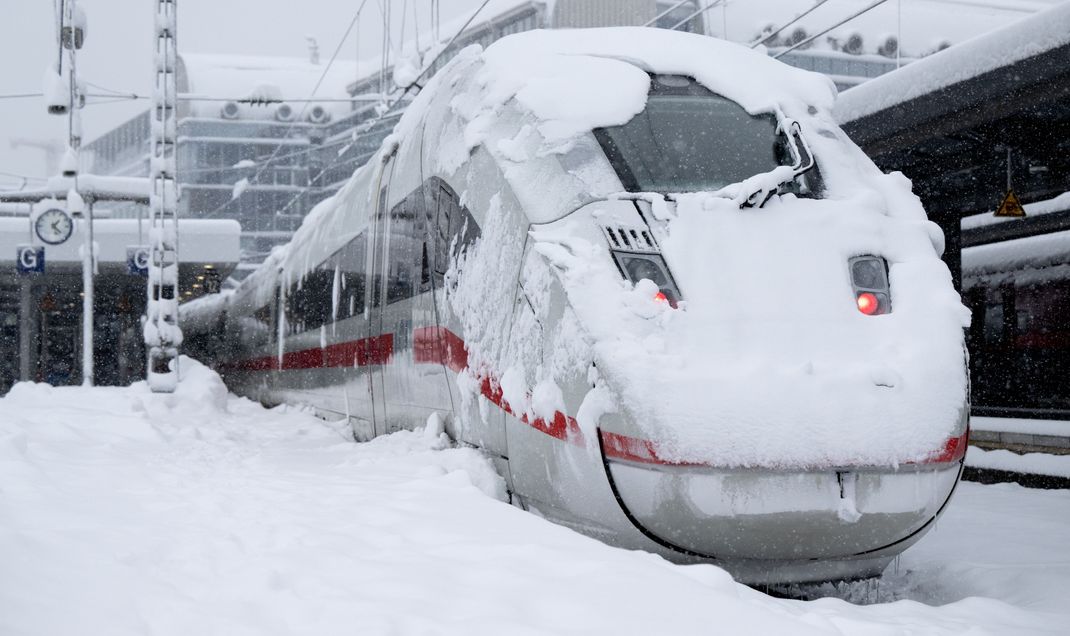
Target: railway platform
{"points": [[1031, 452]]}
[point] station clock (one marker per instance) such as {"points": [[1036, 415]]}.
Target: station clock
{"points": [[53, 226]]}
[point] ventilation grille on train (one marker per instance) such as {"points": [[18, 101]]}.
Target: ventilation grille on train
{"points": [[632, 239]]}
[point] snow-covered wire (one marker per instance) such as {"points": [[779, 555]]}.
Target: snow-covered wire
{"points": [[22, 176], [842, 22], [775, 32]]}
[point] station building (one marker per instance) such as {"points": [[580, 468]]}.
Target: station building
{"points": [[41, 295], [251, 158]]}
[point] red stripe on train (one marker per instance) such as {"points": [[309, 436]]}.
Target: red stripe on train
{"points": [[439, 345], [356, 353]]}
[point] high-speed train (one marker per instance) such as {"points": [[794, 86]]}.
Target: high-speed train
{"points": [[649, 277]]}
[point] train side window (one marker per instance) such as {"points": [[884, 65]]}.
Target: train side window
{"points": [[309, 301], [444, 210], [319, 285], [401, 269], [993, 322], [376, 274], [352, 260], [456, 229]]}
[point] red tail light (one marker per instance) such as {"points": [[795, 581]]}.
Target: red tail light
{"points": [[661, 297], [868, 303]]}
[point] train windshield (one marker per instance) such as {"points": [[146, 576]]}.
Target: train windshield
{"points": [[689, 139]]}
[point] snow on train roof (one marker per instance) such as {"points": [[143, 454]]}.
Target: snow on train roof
{"points": [[576, 80]]}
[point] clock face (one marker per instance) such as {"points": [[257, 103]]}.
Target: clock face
{"points": [[54, 226]]}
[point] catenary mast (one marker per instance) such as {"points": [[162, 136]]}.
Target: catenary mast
{"points": [[162, 333]]}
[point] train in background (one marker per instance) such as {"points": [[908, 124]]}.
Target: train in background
{"points": [[1016, 281], [639, 307]]}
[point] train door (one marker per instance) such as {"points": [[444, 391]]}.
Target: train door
{"points": [[378, 345]]}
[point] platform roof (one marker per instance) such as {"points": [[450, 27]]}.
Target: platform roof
{"points": [[953, 122], [204, 244]]}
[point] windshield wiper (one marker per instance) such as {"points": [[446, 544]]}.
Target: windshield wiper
{"points": [[754, 191]]}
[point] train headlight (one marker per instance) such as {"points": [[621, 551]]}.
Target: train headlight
{"points": [[651, 267], [638, 257], [869, 278]]}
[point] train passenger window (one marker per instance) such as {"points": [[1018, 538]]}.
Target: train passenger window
{"points": [[455, 228], [404, 238], [309, 301], [351, 261], [380, 223], [444, 206], [993, 322]]}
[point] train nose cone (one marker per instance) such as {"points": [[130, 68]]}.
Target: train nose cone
{"points": [[786, 516]]}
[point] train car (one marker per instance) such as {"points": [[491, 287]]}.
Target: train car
{"points": [[1017, 285], [650, 278]]}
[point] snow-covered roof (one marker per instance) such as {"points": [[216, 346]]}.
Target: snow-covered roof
{"points": [[213, 241], [1057, 204], [265, 78], [1026, 38]]}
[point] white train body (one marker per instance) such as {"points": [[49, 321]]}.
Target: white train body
{"points": [[495, 267]]}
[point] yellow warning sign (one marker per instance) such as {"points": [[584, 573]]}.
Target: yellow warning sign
{"points": [[1011, 206]]}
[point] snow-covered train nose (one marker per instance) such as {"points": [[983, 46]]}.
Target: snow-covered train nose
{"points": [[767, 515]]}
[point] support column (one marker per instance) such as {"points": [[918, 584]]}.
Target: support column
{"points": [[27, 331], [162, 333]]}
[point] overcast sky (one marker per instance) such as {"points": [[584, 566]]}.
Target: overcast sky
{"points": [[118, 50]]}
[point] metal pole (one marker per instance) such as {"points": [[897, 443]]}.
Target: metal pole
{"points": [[161, 330], [1009, 171], [87, 299], [898, 32], [74, 132]]}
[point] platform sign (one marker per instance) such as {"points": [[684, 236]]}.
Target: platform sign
{"points": [[211, 282], [137, 260], [30, 259], [1011, 206]]}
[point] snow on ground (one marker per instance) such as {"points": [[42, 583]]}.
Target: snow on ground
{"points": [[123, 512]]}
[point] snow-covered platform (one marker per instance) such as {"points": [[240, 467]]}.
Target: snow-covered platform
{"points": [[1031, 452], [1052, 436], [125, 512]]}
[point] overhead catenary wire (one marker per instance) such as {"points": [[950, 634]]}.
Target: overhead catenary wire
{"points": [[787, 24], [842, 22], [22, 176], [191, 97], [708, 6], [323, 76], [666, 12], [387, 112], [431, 64]]}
